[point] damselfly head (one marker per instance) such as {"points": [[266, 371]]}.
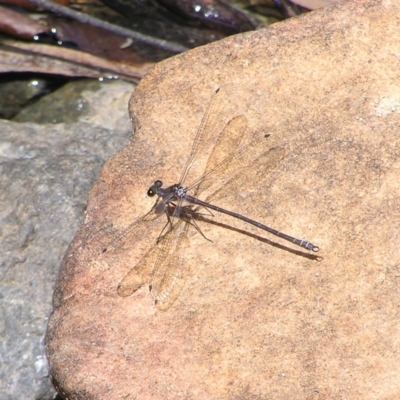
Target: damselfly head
{"points": [[153, 188]]}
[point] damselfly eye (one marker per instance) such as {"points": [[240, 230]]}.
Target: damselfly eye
{"points": [[153, 188]]}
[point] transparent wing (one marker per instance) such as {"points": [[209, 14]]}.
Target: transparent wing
{"points": [[222, 106], [117, 251], [163, 266], [170, 270], [233, 136], [238, 156], [141, 273], [246, 169], [131, 231]]}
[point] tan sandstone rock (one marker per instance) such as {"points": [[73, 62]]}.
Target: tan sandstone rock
{"points": [[257, 317]]}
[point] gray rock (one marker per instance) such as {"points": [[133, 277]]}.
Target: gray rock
{"points": [[46, 172]]}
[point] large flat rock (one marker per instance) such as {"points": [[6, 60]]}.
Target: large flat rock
{"points": [[257, 317]]}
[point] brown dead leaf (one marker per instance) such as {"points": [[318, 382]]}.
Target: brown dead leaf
{"points": [[27, 57]]}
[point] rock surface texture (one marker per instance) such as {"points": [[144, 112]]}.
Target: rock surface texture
{"points": [[257, 318], [46, 171]]}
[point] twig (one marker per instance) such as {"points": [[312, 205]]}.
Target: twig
{"points": [[87, 19]]}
